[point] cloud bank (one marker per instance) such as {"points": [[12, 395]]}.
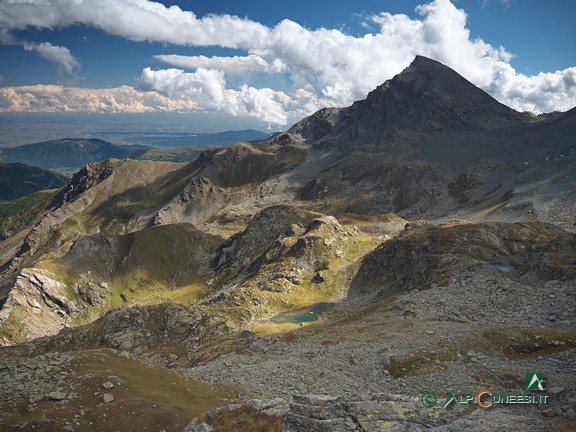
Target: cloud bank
{"points": [[325, 66], [56, 98]]}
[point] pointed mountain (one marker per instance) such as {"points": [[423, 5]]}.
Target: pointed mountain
{"points": [[426, 97], [429, 96], [425, 143]]}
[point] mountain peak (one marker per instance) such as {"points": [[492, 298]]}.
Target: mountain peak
{"points": [[421, 62], [426, 74], [430, 97]]}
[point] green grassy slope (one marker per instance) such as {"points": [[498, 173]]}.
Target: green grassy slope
{"points": [[17, 180], [21, 212]]}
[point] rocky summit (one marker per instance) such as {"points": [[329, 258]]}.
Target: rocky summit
{"points": [[407, 263]]}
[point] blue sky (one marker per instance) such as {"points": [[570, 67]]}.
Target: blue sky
{"points": [[275, 62]]}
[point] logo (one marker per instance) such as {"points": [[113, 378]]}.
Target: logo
{"points": [[486, 403], [485, 398], [429, 399], [535, 381], [449, 399]]}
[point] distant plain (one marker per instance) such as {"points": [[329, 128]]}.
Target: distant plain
{"points": [[26, 128]]}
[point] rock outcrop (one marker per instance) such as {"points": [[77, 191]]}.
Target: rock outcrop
{"points": [[141, 328], [425, 255], [380, 412], [38, 305]]}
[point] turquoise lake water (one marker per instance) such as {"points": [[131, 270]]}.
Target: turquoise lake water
{"points": [[306, 315]]}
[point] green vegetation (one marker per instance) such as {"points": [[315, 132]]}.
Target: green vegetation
{"points": [[182, 154], [163, 264], [13, 330], [152, 266], [17, 180], [17, 214]]}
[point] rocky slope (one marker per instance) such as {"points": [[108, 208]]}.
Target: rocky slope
{"points": [[99, 272], [430, 144], [420, 240]]}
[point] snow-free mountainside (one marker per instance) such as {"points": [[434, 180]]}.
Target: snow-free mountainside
{"points": [[420, 240]]}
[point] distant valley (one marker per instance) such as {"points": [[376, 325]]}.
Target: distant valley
{"points": [[198, 139], [24, 174], [68, 154]]}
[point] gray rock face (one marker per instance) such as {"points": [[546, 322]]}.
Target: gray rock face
{"points": [[314, 127], [63, 206], [481, 420], [129, 329], [199, 200], [31, 380], [57, 396], [240, 250], [108, 398], [273, 407], [40, 302], [419, 254], [326, 413], [314, 413], [88, 176], [194, 426]]}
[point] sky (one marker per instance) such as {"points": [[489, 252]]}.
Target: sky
{"points": [[275, 62]]}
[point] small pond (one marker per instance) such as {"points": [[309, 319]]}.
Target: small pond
{"points": [[304, 315]]}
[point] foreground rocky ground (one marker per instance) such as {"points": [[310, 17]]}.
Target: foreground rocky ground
{"points": [[457, 307], [355, 369], [371, 370]]}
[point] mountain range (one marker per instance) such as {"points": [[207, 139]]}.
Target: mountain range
{"points": [[65, 154], [417, 241]]}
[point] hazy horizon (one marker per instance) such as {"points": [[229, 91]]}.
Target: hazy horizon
{"points": [[120, 128]]}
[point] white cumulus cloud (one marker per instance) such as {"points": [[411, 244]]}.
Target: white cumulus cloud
{"points": [[138, 20], [55, 54], [230, 65], [208, 89]]}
